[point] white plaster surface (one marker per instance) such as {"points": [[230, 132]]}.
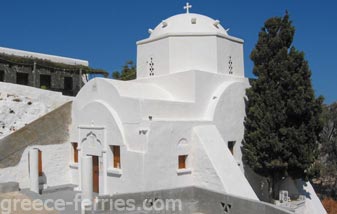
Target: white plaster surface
{"points": [[87, 179], [34, 169], [221, 162]]}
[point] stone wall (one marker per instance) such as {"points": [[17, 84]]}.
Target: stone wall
{"points": [[9, 73]]}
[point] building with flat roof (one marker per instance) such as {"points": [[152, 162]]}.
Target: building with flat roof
{"points": [[51, 72]]}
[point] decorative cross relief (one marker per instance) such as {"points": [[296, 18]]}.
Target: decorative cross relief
{"points": [[230, 65], [151, 67], [187, 7]]}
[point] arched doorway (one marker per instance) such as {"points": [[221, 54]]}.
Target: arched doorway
{"points": [[91, 145]]}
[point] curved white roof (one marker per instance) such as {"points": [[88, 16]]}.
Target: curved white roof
{"points": [[189, 24]]}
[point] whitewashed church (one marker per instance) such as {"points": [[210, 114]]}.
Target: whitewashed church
{"points": [[179, 124]]}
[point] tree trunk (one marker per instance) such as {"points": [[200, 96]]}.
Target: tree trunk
{"points": [[276, 185], [270, 189]]}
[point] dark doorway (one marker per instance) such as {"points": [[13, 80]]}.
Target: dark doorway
{"points": [[95, 174], [2, 75], [45, 81], [22, 78], [68, 83]]}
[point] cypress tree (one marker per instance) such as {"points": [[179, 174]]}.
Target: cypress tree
{"points": [[282, 125]]}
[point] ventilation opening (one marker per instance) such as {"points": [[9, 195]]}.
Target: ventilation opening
{"points": [[231, 145], [226, 207], [194, 21], [151, 67], [45, 81], [230, 65], [22, 78], [164, 24]]}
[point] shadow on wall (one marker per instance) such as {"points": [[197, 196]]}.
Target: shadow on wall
{"points": [[52, 128], [258, 183]]}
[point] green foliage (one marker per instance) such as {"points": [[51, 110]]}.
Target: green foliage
{"points": [[283, 115], [329, 135], [328, 152], [128, 72]]}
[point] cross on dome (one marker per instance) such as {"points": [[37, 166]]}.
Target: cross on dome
{"points": [[187, 7]]}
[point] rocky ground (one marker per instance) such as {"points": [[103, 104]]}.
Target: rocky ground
{"points": [[20, 105], [16, 111]]}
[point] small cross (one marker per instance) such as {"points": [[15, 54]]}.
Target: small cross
{"points": [[187, 7]]}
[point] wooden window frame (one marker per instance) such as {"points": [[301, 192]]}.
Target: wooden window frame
{"points": [[40, 163], [75, 152], [182, 161]]}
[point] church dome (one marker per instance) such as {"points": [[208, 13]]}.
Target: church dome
{"points": [[188, 24]]}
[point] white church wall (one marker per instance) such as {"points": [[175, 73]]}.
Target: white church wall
{"points": [[168, 140], [130, 178], [225, 166], [137, 136], [180, 85], [149, 126], [193, 53], [230, 57], [55, 166], [204, 174], [100, 89], [229, 115], [156, 52]]}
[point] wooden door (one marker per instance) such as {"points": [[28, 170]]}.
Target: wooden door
{"points": [[40, 163], [95, 174]]}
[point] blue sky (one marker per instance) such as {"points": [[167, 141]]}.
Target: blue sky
{"points": [[105, 32]]}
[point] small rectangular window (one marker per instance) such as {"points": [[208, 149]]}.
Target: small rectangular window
{"points": [[22, 78], [68, 83], [75, 153], [116, 156], [231, 146], [182, 161], [45, 81]]}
